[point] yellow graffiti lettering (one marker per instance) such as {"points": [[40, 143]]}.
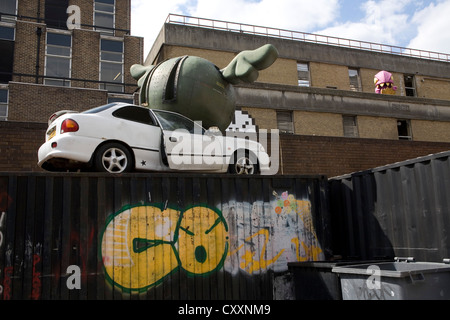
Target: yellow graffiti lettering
{"points": [[136, 246], [249, 263], [202, 240], [143, 244], [311, 252]]}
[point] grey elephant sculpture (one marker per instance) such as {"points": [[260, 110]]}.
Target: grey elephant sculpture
{"points": [[196, 88]]}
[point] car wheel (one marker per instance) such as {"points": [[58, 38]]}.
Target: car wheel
{"points": [[113, 158], [243, 164]]}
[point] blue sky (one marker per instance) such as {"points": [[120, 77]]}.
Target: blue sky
{"points": [[416, 24]]}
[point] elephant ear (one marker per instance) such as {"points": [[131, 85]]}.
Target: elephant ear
{"points": [[246, 65], [138, 71]]}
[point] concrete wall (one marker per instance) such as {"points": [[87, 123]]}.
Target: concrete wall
{"points": [[377, 115], [203, 38]]}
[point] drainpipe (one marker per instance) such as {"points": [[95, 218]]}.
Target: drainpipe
{"points": [[38, 33], [38, 52]]}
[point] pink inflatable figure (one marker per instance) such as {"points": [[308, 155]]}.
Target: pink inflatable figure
{"points": [[384, 83]]}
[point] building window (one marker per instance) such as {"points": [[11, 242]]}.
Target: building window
{"points": [[58, 58], [7, 34], [104, 11], [285, 122], [353, 75], [350, 126], [56, 13], [8, 10], [410, 88], [3, 103], [303, 74], [404, 130], [111, 65]]}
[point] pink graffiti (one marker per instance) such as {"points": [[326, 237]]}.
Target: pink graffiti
{"points": [[7, 283], [36, 284]]}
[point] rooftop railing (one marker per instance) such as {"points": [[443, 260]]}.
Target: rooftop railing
{"points": [[306, 37]]}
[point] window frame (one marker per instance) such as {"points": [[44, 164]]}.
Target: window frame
{"points": [[8, 17], [167, 124], [303, 82], [289, 123], [358, 87], [6, 103], [54, 81], [407, 137], [140, 120], [56, 7], [7, 41], [350, 129], [109, 86], [413, 88], [104, 30]]}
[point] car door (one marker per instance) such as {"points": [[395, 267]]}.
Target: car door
{"points": [[187, 145], [137, 128]]}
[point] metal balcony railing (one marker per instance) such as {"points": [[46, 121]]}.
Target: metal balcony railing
{"points": [[303, 36]]}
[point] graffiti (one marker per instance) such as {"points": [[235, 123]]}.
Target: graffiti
{"points": [[141, 245], [5, 202], [2, 219], [36, 282], [267, 236], [249, 264], [7, 283]]}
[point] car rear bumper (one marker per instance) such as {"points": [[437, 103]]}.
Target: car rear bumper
{"points": [[68, 147]]}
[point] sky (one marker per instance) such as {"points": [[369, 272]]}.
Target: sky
{"points": [[415, 24]]}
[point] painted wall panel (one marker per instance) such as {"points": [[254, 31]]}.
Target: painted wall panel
{"points": [[158, 236]]}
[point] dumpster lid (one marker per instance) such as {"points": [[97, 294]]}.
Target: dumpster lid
{"points": [[331, 263], [393, 269]]}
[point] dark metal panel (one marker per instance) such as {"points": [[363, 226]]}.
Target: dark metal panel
{"points": [[396, 210], [158, 236]]}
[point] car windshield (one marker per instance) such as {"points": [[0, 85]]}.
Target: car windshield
{"points": [[172, 121], [101, 108]]}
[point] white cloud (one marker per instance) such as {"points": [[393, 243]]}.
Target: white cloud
{"points": [[433, 25], [298, 15], [148, 17], [384, 22]]}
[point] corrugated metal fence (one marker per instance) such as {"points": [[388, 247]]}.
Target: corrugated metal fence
{"points": [[399, 210], [158, 236]]}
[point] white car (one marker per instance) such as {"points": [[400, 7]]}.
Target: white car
{"points": [[120, 137]]}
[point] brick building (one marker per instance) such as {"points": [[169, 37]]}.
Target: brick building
{"points": [[320, 95], [323, 86], [64, 54]]}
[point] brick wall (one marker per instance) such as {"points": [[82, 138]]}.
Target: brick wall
{"points": [[35, 103], [85, 58], [25, 51], [304, 155], [334, 156], [133, 53], [19, 145]]}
